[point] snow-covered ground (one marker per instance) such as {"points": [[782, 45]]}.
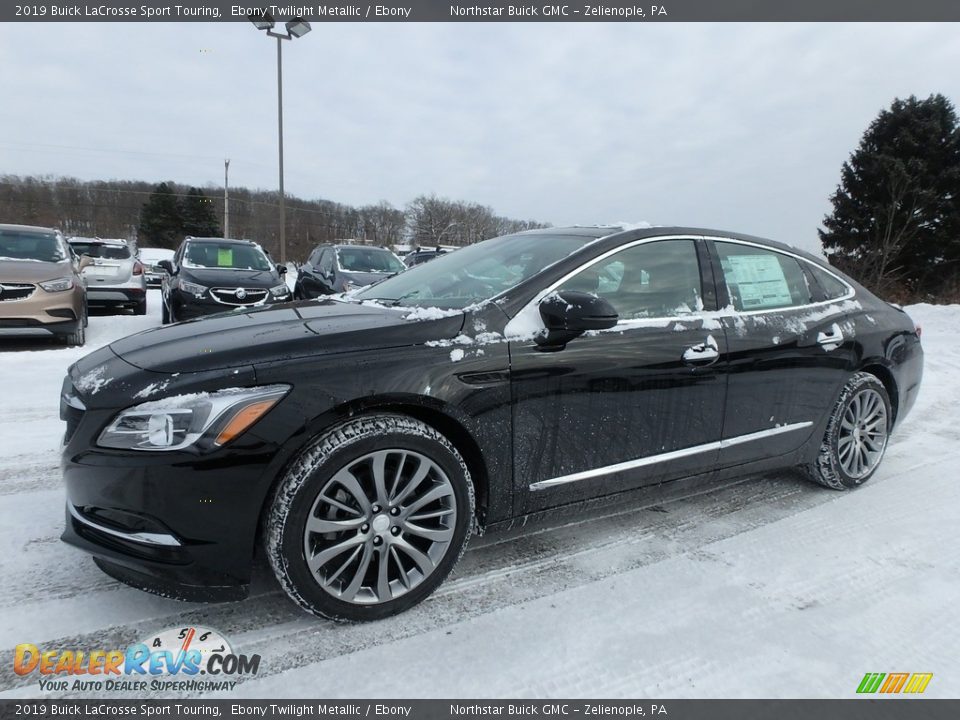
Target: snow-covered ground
{"points": [[758, 587]]}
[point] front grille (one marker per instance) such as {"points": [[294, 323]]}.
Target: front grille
{"points": [[16, 291], [228, 296]]}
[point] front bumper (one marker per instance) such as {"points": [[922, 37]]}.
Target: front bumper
{"points": [[54, 312], [182, 524], [189, 307]]}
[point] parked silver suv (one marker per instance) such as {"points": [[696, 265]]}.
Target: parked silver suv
{"points": [[115, 278]]}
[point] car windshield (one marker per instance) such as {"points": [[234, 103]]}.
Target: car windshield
{"points": [[225, 256], [374, 260], [102, 250], [474, 273], [39, 247]]}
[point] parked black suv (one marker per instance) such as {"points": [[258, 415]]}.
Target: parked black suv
{"points": [[338, 268], [213, 275]]}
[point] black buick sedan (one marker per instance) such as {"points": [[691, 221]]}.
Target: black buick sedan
{"points": [[215, 275], [361, 442]]}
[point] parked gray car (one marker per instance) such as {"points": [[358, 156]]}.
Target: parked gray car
{"points": [[115, 279]]}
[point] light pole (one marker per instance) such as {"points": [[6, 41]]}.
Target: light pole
{"points": [[296, 28], [226, 199]]}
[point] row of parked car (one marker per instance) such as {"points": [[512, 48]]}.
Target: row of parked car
{"points": [[55, 280]]}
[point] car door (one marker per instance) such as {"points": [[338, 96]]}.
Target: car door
{"points": [[788, 353], [639, 404]]}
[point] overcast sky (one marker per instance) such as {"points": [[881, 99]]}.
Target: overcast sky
{"points": [[733, 126]]}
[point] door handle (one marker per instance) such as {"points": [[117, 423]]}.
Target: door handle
{"points": [[705, 353], [833, 336]]}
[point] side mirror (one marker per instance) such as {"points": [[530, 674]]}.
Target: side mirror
{"points": [[569, 313], [282, 269], [166, 265], [85, 261]]}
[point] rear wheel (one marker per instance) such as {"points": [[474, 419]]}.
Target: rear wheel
{"points": [[140, 308], [370, 518], [856, 437], [164, 313]]}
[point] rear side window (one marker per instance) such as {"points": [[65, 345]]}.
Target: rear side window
{"points": [[833, 288], [759, 279]]}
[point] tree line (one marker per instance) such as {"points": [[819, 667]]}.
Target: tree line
{"points": [[161, 215]]}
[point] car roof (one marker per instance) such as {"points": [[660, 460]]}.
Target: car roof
{"points": [[359, 247], [104, 241], [616, 234], [29, 228], [220, 241]]}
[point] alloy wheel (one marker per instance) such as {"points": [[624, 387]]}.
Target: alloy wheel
{"points": [[863, 434], [380, 526]]}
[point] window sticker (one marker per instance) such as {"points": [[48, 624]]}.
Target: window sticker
{"points": [[760, 280], [224, 257]]}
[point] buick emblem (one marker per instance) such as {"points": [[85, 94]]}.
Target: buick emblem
{"points": [[241, 293]]}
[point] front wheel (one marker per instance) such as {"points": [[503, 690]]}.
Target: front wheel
{"points": [[370, 518], [856, 436]]}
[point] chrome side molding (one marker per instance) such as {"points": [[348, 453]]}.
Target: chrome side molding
{"points": [[668, 456]]}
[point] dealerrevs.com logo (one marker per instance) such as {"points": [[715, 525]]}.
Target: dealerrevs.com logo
{"points": [[192, 659], [894, 683]]}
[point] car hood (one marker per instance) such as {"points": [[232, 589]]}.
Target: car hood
{"points": [[14, 271], [280, 332], [232, 278]]}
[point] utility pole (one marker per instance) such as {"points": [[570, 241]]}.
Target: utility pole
{"points": [[283, 210], [226, 198]]}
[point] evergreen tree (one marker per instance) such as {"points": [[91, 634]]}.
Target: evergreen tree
{"points": [[199, 218], [161, 224], [895, 224]]}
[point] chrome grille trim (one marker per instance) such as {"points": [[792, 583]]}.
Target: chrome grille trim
{"points": [[228, 296], [10, 292]]}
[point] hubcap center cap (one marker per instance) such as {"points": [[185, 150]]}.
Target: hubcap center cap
{"points": [[381, 523]]}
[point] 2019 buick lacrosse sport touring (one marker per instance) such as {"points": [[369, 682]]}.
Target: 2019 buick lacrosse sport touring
{"points": [[359, 441]]}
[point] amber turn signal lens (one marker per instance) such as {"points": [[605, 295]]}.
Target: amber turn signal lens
{"points": [[244, 419]]}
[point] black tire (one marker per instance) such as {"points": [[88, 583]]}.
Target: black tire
{"points": [[828, 469], [79, 336], [310, 479], [140, 308], [164, 313]]}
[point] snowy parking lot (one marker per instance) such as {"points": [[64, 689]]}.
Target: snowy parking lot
{"points": [[756, 587]]}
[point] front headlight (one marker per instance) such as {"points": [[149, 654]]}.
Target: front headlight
{"points": [[280, 290], [206, 419], [192, 288], [58, 285]]}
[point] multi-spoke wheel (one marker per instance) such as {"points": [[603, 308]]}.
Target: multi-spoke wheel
{"points": [[370, 519], [856, 435]]}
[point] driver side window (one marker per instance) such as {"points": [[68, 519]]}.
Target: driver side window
{"points": [[655, 279]]}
